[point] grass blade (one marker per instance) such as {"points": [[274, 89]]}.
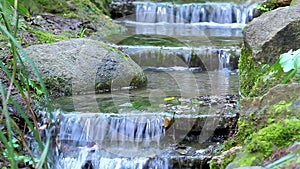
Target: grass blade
{"points": [[9, 145]]}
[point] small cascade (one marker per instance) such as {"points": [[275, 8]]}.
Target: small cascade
{"points": [[107, 131], [107, 141], [221, 13], [204, 59], [135, 141]]}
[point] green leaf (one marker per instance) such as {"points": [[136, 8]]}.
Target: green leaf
{"points": [[290, 60], [44, 154], [297, 62], [21, 8]]}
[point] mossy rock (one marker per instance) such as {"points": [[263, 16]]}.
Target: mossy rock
{"points": [[281, 103], [91, 11], [262, 144], [269, 5], [256, 79], [79, 66], [265, 39]]}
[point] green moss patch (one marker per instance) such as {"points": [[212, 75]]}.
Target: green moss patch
{"points": [[46, 37], [260, 145], [261, 130], [279, 135], [249, 71]]}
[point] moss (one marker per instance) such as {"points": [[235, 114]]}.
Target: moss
{"points": [[220, 162], [248, 159], [259, 125], [260, 145], [280, 135], [46, 37], [271, 77], [249, 71], [257, 79], [57, 86], [214, 165], [84, 10], [269, 5]]}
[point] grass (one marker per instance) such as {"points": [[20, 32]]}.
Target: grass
{"points": [[12, 136]]}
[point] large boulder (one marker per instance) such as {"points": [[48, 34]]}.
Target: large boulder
{"points": [[265, 39], [79, 66], [273, 33]]}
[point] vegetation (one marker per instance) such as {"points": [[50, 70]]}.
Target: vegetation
{"points": [[256, 79], [269, 5], [290, 62], [12, 136]]}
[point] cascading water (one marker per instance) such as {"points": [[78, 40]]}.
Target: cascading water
{"points": [[202, 59], [109, 141], [133, 133], [193, 13]]}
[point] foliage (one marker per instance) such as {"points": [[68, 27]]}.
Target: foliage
{"points": [[265, 7], [46, 37], [290, 62], [23, 158], [256, 79], [269, 5], [17, 78], [81, 32]]}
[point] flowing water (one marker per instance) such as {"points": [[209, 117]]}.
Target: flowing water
{"points": [[189, 53]]}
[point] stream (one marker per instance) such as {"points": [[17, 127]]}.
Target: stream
{"points": [[189, 53]]}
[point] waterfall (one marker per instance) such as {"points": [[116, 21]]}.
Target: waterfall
{"points": [[108, 141], [193, 13], [105, 130], [204, 59]]}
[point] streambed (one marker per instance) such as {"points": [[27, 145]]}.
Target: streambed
{"points": [[187, 108]]}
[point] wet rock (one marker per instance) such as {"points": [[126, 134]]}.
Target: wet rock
{"points": [[121, 9], [78, 66], [219, 160], [182, 151], [273, 33]]}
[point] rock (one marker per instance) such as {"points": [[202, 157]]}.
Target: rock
{"points": [[78, 66], [222, 159], [273, 33], [281, 92], [265, 39], [121, 9]]}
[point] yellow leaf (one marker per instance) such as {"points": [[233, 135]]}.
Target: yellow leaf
{"points": [[169, 98]]}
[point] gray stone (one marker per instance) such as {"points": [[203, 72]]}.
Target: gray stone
{"points": [[273, 33], [280, 92], [79, 66]]}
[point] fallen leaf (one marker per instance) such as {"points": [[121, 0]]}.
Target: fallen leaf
{"points": [[167, 122]]}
